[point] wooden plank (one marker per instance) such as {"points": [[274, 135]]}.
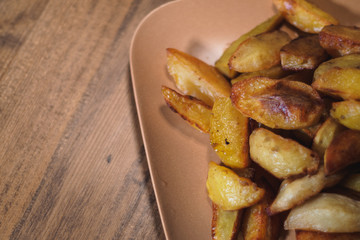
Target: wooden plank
{"points": [[71, 155]]}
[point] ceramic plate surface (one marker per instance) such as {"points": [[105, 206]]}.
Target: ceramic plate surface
{"points": [[177, 154]]}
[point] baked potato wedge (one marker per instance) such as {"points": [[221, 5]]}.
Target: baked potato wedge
{"points": [[324, 136], [352, 182], [293, 192], [275, 72], [222, 64], [311, 235], [196, 78], [229, 191], [278, 103], [259, 52], [225, 223], [194, 111], [257, 224], [347, 113], [229, 134], [339, 77], [302, 53], [326, 212], [339, 40], [343, 151], [280, 156], [304, 15]]}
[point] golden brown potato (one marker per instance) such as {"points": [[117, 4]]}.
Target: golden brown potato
{"points": [[275, 72], [304, 15], [278, 103], [257, 224], [352, 182], [259, 52], [225, 223], [229, 191], [196, 78], [342, 151], [340, 40], [302, 53], [229, 134], [281, 157], [293, 192], [326, 212], [310, 235], [194, 111], [222, 64], [326, 133], [347, 113], [339, 77]]}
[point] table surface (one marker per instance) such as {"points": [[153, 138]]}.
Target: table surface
{"points": [[72, 159]]}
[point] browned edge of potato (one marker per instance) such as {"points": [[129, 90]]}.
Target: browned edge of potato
{"points": [[278, 103], [339, 40], [194, 111], [343, 151]]}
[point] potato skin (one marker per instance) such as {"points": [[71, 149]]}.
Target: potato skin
{"points": [[339, 40], [304, 15], [280, 156], [342, 151], [339, 77], [347, 113], [278, 103], [194, 111], [326, 212], [302, 53], [259, 52], [222, 64]]}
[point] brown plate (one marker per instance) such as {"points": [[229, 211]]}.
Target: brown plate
{"points": [[177, 154]]}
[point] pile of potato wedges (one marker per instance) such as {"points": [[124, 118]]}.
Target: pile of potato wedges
{"points": [[281, 107]]}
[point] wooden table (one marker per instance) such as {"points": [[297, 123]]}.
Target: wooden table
{"points": [[72, 161]]}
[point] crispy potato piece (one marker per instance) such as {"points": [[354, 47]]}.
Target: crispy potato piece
{"points": [[229, 191], [257, 224], [222, 64], [280, 156], [195, 77], [294, 192], [339, 77], [310, 235], [326, 133], [342, 151], [304, 15], [340, 40], [326, 212], [302, 53], [347, 113], [194, 111], [259, 52], [225, 223], [278, 103], [275, 72], [352, 182], [229, 134]]}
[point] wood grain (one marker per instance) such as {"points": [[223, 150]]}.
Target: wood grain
{"points": [[72, 160]]}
